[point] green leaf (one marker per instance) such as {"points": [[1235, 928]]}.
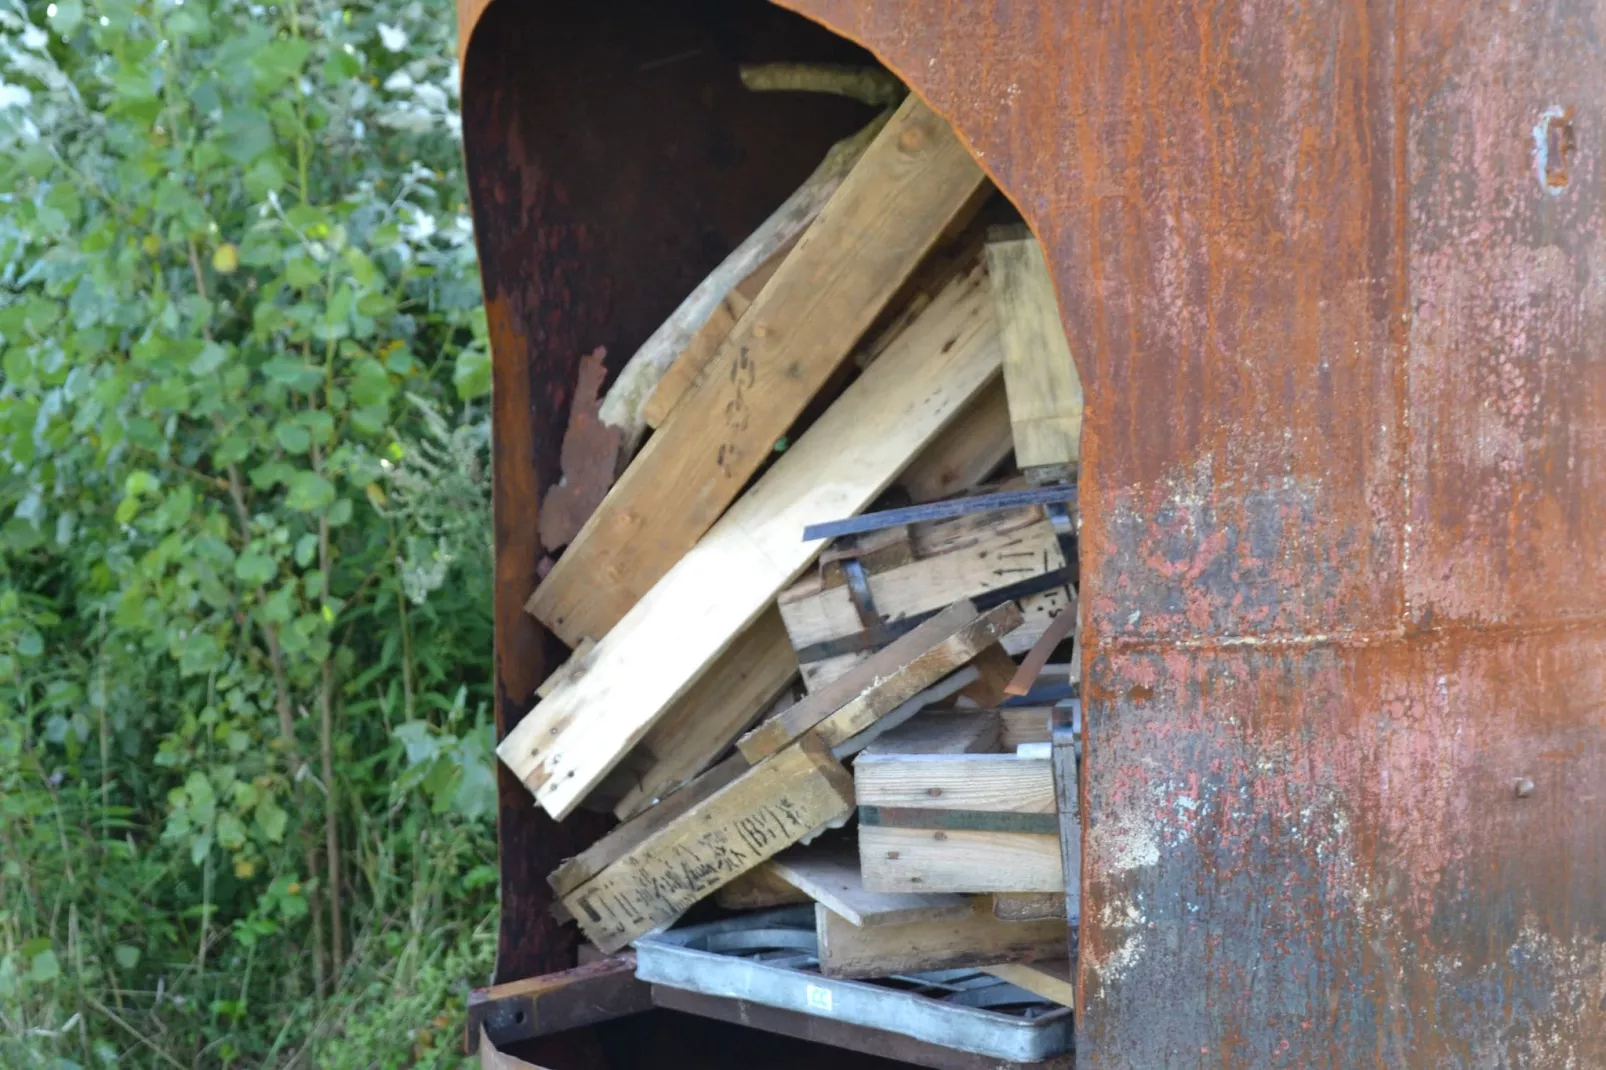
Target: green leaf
{"points": [[209, 359], [44, 967], [245, 134], [279, 62], [69, 13], [302, 273], [30, 644], [306, 547], [295, 374], [293, 437], [255, 568], [127, 956], [310, 492], [472, 375], [230, 832], [271, 820]]}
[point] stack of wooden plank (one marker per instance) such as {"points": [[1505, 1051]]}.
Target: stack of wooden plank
{"points": [[862, 715]]}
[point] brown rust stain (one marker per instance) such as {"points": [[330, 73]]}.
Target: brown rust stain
{"points": [[1339, 324]]}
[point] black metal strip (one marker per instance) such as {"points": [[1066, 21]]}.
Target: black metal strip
{"points": [[915, 514], [916, 817], [857, 644]]}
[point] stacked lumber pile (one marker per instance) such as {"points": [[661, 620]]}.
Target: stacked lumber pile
{"points": [[822, 621]]}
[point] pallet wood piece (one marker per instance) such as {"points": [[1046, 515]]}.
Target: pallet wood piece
{"points": [[1051, 980], [1067, 801], [980, 557], [1028, 906], [759, 889], [703, 344], [589, 459], [1023, 724], [573, 737], [945, 688], [829, 874], [847, 950], [941, 732], [911, 664], [911, 182], [993, 783], [980, 440], [703, 723], [996, 669], [577, 659], [839, 1034], [943, 510], [1032, 665], [770, 807], [570, 999], [573, 874], [623, 406], [492, 1058], [893, 859], [1045, 392]]}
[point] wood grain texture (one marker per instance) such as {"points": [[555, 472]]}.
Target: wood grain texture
{"points": [[829, 874], [1028, 906], [759, 889], [556, 1003], [766, 810], [1045, 393], [936, 860], [965, 557], [964, 458], [911, 182], [998, 783], [847, 950], [1051, 980], [941, 732], [910, 665], [704, 722], [1023, 724], [668, 639]]}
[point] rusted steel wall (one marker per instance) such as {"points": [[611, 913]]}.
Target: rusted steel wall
{"points": [[1333, 273]]}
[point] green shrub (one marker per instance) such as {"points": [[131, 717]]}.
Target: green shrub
{"points": [[246, 786]]}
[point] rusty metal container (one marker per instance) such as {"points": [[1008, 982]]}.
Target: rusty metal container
{"points": [[1335, 278]]}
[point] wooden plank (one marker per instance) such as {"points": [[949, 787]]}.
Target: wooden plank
{"points": [[848, 950], [705, 343], [1058, 629], [1023, 724], [769, 808], [573, 737], [571, 999], [703, 723], [967, 557], [1051, 980], [945, 688], [759, 889], [997, 669], [908, 666], [1028, 906], [1068, 804], [829, 874], [937, 860], [941, 732], [897, 1047], [492, 1058], [575, 872], [996, 783], [912, 181], [577, 659], [1045, 392], [968, 454]]}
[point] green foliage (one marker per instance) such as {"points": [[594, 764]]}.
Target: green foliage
{"points": [[244, 538]]}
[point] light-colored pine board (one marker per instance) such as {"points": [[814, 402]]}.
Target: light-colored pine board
{"points": [[966, 557], [829, 874], [709, 337], [1028, 906], [1051, 980], [1068, 802], [577, 658], [668, 639], [945, 688], [935, 860], [941, 732], [1023, 724], [910, 665], [573, 874], [759, 889], [996, 670], [1045, 392], [770, 807], [968, 454], [992, 783], [703, 723], [912, 181], [848, 950]]}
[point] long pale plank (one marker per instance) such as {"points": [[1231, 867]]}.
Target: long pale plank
{"points": [[1023, 724], [703, 723], [995, 783], [759, 889], [912, 181], [848, 950], [957, 860], [900, 671], [829, 874], [765, 811], [971, 451], [588, 723], [1051, 980], [1028, 906], [1045, 393]]}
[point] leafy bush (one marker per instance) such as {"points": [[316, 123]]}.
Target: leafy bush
{"points": [[245, 758]]}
